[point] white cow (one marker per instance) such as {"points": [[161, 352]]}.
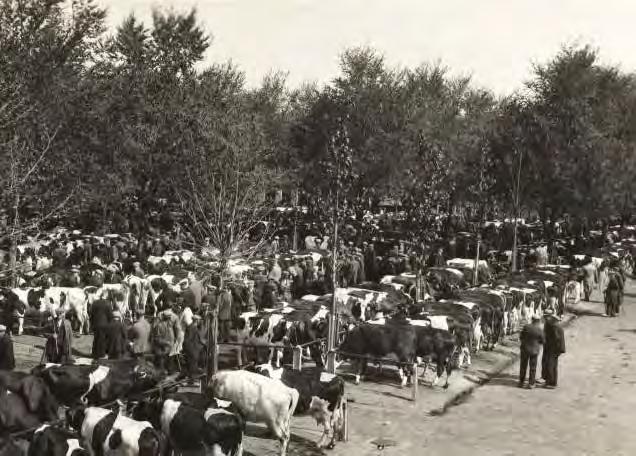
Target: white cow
{"points": [[74, 299], [259, 399]]}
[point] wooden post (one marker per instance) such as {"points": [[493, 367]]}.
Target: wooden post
{"points": [[297, 362], [415, 381], [331, 362]]}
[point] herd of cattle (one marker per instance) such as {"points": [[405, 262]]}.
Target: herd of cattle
{"points": [[123, 407]]}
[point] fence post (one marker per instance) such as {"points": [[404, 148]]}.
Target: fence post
{"points": [[415, 381], [331, 362], [297, 360]]}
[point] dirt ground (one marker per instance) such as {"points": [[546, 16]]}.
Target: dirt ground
{"points": [[591, 413]]}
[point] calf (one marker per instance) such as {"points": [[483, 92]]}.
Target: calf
{"points": [[108, 432], [189, 429], [259, 399], [53, 441], [320, 395]]}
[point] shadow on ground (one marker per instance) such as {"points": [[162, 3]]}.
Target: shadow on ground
{"points": [[504, 380], [586, 313], [298, 446]]}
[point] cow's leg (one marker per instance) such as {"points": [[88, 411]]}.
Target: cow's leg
{"points": [[402, 374], [20, 325], [467, 354]]}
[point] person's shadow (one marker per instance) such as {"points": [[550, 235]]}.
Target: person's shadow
{"points": [[504, 380]]}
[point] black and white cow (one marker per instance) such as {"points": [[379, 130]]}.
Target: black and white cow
{"points": [[52, 441], [321, 396], [110, 432], [190, 429], [380, 341], [97, 384]]}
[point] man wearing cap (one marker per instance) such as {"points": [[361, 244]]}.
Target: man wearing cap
{"points": [[553, 348], [7, 360], [532, 339]]}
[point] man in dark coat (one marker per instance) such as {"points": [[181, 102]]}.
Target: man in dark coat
{"points": [[116, 337], [224, 306], [101, 314], [193, 343], [532, 339], [613, 294], [7, 360], [553, 348]]}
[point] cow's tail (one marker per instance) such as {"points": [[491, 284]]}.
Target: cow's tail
{"points": [[293, 402]]}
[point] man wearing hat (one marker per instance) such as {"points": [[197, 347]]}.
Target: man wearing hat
{"points": [[553, 348], [7, 360], [532, 339]]}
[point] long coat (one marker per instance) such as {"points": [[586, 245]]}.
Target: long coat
{"points": [[531, 338], [65, 341], [554, 338]]}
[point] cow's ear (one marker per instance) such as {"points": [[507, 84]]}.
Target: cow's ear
{"points": [[32, 389]]}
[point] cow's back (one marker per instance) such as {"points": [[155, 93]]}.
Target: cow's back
{"points": [[257, 397]]}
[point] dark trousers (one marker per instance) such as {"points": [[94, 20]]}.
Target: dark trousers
{"points": [[100, 342], [224, 330], [531, 360], [550, 363]]}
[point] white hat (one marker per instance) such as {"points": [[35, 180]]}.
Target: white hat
{"points": [[117, 314], [3, 328]]}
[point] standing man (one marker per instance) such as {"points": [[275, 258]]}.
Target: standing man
{"points": [[224, 306], [553, 348], [7, 360], [193, 344], [532, 339], [589, 277], [101, 314], [139, 335]]}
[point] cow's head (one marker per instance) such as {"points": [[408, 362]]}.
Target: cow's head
{"points": [[75, 417], [35, 298], [40, 400], [148, 409], [145, 376], [279, 331]]}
